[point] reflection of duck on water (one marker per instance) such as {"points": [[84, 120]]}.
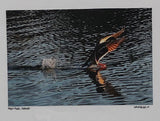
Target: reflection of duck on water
{"points": [[105, 45], [102, 85]]}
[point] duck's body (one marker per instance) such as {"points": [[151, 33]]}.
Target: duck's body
{"points": [[105, 45]]}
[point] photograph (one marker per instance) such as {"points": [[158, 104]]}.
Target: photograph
{"points": [[79, 57]]}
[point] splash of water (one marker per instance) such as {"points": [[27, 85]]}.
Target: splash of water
{"points": [[48, 63]]}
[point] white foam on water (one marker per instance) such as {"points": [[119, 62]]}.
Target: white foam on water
{"points": [[49, 63]]}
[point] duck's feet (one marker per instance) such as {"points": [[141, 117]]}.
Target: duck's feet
{"points": [[102, 66]]}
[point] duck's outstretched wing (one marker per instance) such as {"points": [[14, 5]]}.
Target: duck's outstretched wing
{"points": [[115, 35], [105, 45], [113, 46]]}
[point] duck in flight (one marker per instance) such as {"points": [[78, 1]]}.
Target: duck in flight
{"points": [[104, 46]]}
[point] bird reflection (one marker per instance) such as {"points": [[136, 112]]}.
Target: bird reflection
{"points": [[102, 85]]}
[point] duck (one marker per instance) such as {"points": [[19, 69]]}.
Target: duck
{"points": [[103, 47]]}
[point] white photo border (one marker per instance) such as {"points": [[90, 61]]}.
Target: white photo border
{"points": [[80, 113]]}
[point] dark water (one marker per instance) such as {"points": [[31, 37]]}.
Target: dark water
{"points": [[70, 36]]}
